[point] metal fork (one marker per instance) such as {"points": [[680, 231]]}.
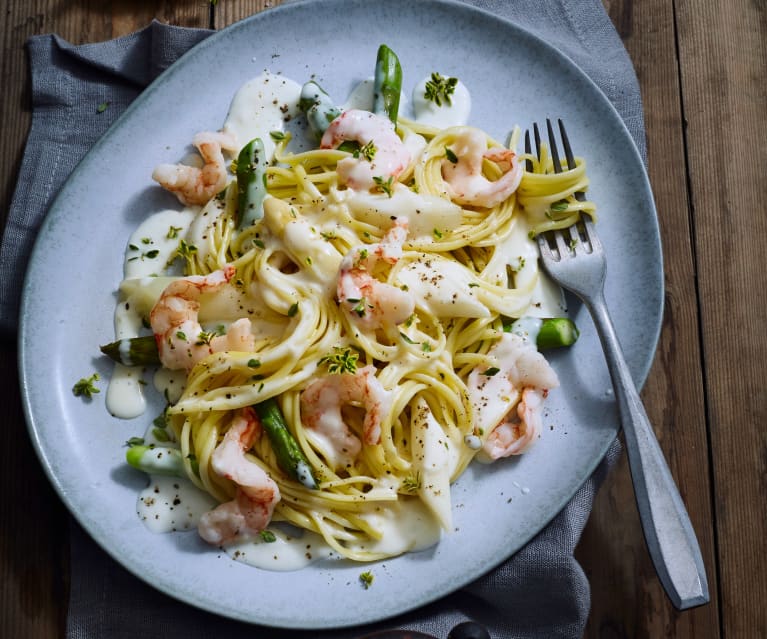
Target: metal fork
{"points": [[575, 259]]}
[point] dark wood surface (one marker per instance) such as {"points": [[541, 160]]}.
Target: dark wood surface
{"points": [[701, 66]]}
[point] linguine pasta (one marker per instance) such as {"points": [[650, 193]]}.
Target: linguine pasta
{"points": [[465, 269]]}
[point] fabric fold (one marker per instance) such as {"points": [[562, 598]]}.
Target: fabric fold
{"points": [[78, 92]]}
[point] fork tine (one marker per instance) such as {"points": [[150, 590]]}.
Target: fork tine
{"points": [[545, 248], [528, 150], [553, 148], [566, 145], [590, 233], [579, 195], [579, 241], [537, 136], [562, 245]]}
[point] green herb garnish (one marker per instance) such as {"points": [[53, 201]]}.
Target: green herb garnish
{"points": [[368, 151], [173, 232], [440, 88], [341, 360], [185, 250], [412, 483], [204, 337], [385, 186], [367, 579], [268, 536], [86, 386]]}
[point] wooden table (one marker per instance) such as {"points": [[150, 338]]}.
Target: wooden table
{"points": [[701, 66]]}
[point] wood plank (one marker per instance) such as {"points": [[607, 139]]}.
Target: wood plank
{"points": [[77, 22], [127, 15], [725, 106], [627, 599], [229, 11]]}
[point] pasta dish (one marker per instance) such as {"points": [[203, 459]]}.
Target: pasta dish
{"points": [[341, 325]]}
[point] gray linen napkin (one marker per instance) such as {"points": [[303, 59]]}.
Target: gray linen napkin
{"points": [[77, 93]]}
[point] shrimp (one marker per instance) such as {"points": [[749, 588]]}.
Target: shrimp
{"points": [[195, 185], [387, 156], [370, 302], [464, 179], [515, 436], [521, 372], [257, 493], [321, 404], [181, 340]]}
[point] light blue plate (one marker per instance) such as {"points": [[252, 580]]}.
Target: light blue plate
{"points": [[76, 267]]}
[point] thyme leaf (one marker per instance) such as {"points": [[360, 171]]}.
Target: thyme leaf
{"points": [[440, 88], [86, 386]]}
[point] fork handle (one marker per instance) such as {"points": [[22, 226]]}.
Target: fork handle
{"points": [[668, 532]]}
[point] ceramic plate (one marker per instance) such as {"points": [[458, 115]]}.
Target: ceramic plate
{"points": [[77, 266]]}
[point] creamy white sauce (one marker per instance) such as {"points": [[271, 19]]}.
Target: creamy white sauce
{"points": [[454, 114], [361, 97], [547, 298], [262, 105], [150, 249], [406, 526], [434, 459], [154, 242], [442, 287], [125, 397], [425, 213], [292, 549], [202, 230], [528, 328], [170, 384], [168, 504], [491, 397]]}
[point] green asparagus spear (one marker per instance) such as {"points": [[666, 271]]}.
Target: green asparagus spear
{"points": [[318, 106], [387, 84], [251, 182], [290, 457], [156, 460], [136, 351], [558, 331], [551, 332]]}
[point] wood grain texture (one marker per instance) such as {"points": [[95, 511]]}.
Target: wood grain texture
{"points": [[628, 600], [229, 11], [724, 91], [77, 21]]}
